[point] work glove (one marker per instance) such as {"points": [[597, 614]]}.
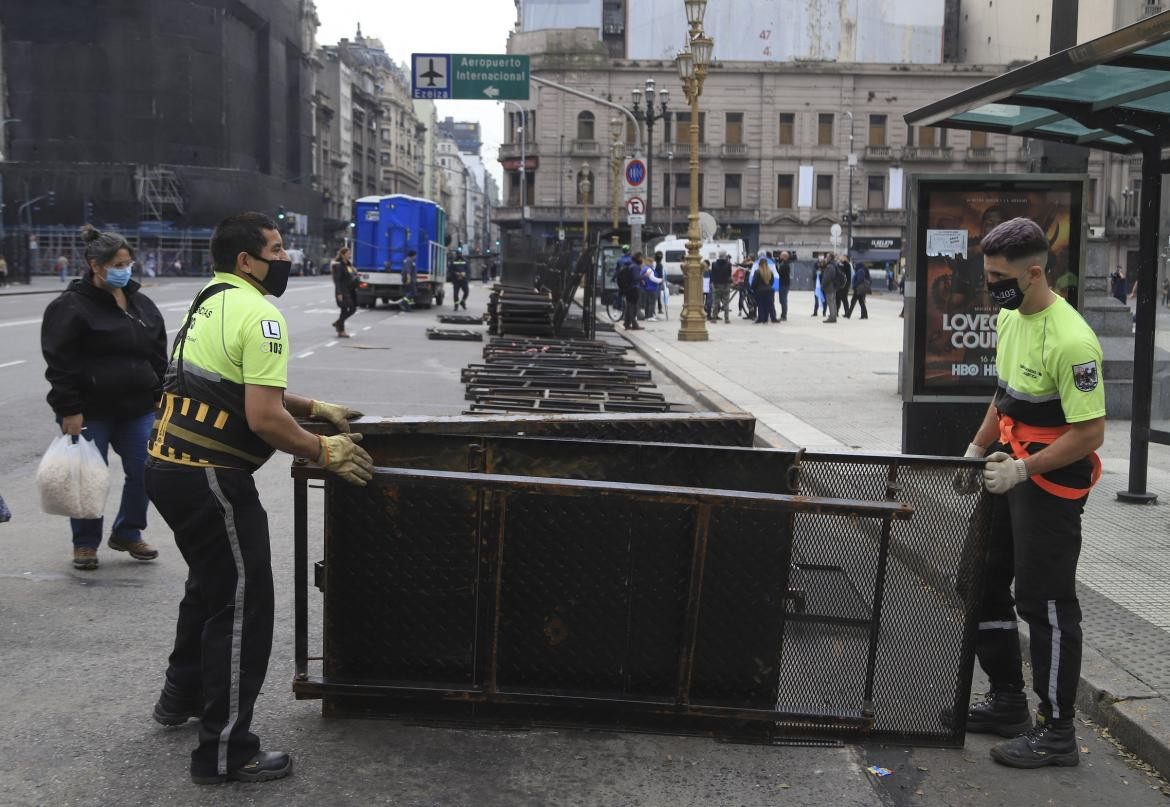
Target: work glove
{"points": [[338, 414], [967, 480], [1002, 472], [341, 454]]}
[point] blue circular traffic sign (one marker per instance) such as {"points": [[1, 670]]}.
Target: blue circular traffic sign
{"points": [[635, 172]]}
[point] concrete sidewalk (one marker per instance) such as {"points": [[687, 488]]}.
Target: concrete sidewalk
{"points": [[835, 387]]}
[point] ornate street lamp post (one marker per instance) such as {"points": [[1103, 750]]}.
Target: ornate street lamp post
{"points": [[589, 310], [616, 152], [692, 69], [649, 116]]}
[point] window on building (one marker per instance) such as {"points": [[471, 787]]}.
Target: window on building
{"points": [[630, 129], [585, 123], [733, 190], [682, 127], [875, 197], [787, 128], [978, 140], [1091, 202], [824, 199], [734, 133], [825, 129], [877, 130], [682, 190], [385, 135], [385, 158], [785, 197]]}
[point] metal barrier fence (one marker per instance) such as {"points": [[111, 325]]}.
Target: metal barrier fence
{"points": [[494, 577]]}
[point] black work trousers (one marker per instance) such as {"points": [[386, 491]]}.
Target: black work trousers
{"points": [[1035, 541], [858, 300], [224, 634], [459, 284], [630, 307]]}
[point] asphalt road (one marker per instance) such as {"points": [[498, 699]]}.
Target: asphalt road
{"points": [[82, 654]]}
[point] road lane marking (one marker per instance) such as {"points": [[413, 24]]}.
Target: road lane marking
{"points": [[305, 354], [20, 322], [331, 344], [367, 327], [12, 363]]}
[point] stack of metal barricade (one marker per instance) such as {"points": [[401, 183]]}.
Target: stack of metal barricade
{"points": [[560, 375]]}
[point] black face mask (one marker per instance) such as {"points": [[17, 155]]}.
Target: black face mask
{"points": [[276, 281], [1006, 293]]}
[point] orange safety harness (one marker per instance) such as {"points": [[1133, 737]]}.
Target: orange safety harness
{"points": [[1016, 435]]}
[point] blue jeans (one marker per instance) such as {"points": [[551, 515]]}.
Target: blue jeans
{"points": [[129, 438]]}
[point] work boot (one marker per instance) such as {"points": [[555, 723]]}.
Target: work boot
{"points": [[139, 550], [174, 707], [1049, 742], [85, 558], [1002, 713], [264, 767]]}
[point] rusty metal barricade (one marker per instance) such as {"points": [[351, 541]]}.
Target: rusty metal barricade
{"points": [[493, 577]]}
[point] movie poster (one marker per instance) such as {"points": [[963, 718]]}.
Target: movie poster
{"points": [[957, 323]]}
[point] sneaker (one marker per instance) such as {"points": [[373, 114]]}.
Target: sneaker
{"points": [[1049, 742], [651, 319], [264, 767], [174, 708], [85, 558], [1002, 713], [139, 550]]}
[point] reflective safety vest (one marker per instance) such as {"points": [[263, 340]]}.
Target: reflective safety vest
{"points": [[232, 336]]}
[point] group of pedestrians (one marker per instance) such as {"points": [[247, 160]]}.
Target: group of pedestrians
{"points": [[639, 283], [836, 276]]}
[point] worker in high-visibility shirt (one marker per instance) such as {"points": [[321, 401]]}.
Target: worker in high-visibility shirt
{"points": [[1044, 424], [223, 413]]}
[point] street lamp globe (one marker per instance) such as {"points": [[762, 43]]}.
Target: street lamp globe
{"points": [[637, 96], [686, 65], [702, 47], [664, 96], [649, 90], [695, 11], [615, 128]]}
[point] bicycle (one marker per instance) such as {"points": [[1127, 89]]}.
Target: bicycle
{"points": [[745, 300]]}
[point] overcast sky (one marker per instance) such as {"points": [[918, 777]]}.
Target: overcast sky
{"points": [[433, 26]]}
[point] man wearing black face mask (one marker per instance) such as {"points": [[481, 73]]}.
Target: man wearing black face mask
{"points": [[223, 413], [1044, 424]]}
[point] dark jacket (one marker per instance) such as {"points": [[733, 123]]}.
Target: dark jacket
{"points": [[721, 272], [344, 277], [784, 269], [759, 284], [860, 277], [103, 362]]}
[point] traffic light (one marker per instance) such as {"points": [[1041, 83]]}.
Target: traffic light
{"points": [[281, 214]]}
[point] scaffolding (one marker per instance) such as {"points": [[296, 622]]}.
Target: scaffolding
{"points": [[160, 192]]}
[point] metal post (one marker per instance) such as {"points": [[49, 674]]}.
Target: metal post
{"points": [[1146, 326], [561, 171], [669, 192], [693, 327], [649, 157]]}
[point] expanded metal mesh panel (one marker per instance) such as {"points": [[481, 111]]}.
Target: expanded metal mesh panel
{"points": [[932, 581], [592, 594], [401, 565]]}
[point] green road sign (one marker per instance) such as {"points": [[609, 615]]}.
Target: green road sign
{"points": [[489, 77]]}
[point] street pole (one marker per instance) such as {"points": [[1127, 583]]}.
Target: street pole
{"points": [[852, 160], [561, 190], [669, 192], [692, 68]]}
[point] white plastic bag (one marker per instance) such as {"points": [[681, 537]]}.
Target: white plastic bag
{"points": [[73, 479]]}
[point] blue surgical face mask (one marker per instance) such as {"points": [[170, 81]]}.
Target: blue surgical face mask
{"points": [[118, 276]]}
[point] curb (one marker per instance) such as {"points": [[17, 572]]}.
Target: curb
{"points": [[1133, 713], [764, 436]]}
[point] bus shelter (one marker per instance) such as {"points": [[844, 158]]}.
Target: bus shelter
{"points": [[1112, 93]]}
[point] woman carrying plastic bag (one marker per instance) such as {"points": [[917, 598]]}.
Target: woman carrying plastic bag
{"points": [[73, 479], [104, 342]]}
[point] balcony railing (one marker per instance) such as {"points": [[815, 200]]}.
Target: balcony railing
{"points": [[683, 150], [731, 214], [512, 150], [926, 154], [586, 148], [735, 151], [1123, 225], [879, 153], [886, 217], [980, 155]]}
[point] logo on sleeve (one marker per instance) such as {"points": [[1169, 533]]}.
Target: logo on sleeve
{"points": [[270, 328], [1085, 376]]}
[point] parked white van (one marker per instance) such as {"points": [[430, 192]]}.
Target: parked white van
{"points": [[675, 249]]}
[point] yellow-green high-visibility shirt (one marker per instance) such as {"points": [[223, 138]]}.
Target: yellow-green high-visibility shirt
{"points": [[1049, 367], [236, 337]]}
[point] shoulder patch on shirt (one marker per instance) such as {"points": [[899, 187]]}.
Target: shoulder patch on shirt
{"points": [[270, 328], [1085, 376]]}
